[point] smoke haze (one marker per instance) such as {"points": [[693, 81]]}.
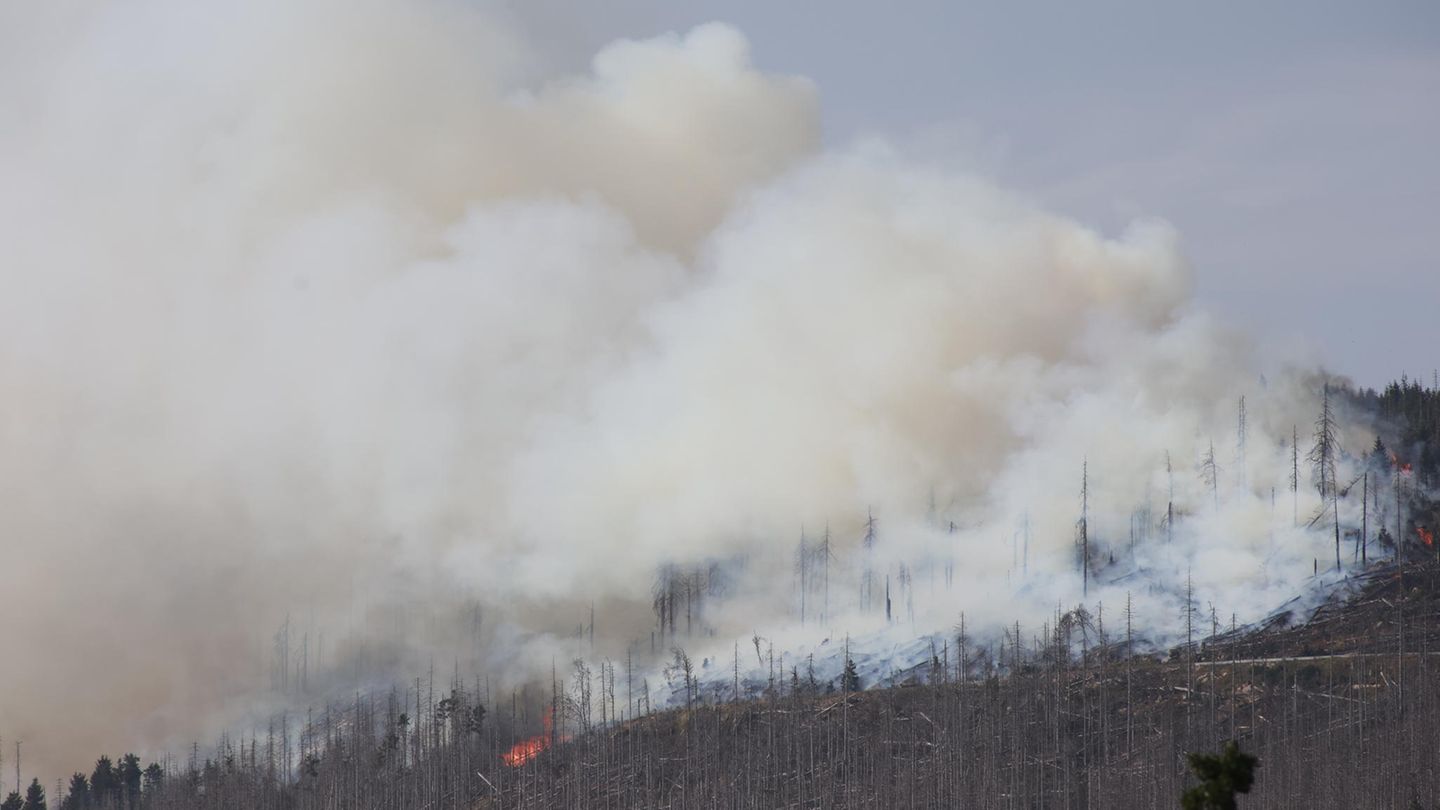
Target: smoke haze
{"points": [[317, 310]]}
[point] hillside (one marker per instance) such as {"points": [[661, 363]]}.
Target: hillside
{"points": [[1342, 711], [1340, 705]]}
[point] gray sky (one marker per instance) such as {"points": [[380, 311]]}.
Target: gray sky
{"points": [[1293, 144]]}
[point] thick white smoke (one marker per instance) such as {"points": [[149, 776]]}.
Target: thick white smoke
{"points": [[307, 309]]}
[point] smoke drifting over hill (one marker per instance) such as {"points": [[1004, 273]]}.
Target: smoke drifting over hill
{"points": [[309, 310]]}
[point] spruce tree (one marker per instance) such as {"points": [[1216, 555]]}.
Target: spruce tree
{"points": [[154, 777], [130, 777], [1221, 777], [78, 795], [849, 679], [34, 796], [103, 784]]}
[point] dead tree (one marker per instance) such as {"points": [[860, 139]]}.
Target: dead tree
{"points": [[1083, 528], [1240, 429], [1364, 517], [825, 557], [1170, 501], [802, 570], [1322, 457], [1024, 546], [867, 580], [1295, 473], [1210, 474]]}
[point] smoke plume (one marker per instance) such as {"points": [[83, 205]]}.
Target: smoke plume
{"points": [[318, 313]]}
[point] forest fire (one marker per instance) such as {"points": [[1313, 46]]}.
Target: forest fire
{"points": [[526, 750], [529, 748], [1426, 536], [1398, 466]]}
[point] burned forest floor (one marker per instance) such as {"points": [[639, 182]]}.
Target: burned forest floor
{"points": [[1341, 706]]}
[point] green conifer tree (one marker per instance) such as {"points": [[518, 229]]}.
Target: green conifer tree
{"points": [[34, 796], [1221, 777], [850, 679]]}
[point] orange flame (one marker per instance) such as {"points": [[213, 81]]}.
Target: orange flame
{"points": [[527, 749], [1403, 469], [1426, 536]]}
